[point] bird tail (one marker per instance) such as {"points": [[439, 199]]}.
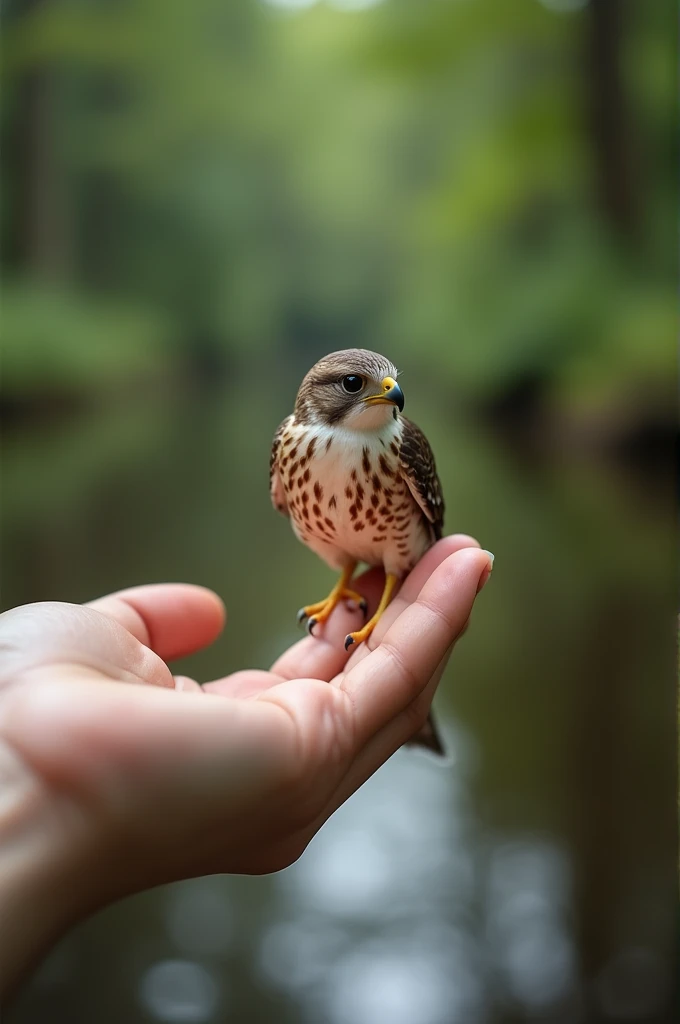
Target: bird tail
{"points": [[428, 738]]}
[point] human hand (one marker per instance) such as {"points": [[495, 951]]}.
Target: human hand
{"points": [[110, 788]]}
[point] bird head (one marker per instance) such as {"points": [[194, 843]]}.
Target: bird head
{"points": [[354, 388]]}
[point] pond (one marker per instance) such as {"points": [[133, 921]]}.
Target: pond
{"points": [[533, 877]]}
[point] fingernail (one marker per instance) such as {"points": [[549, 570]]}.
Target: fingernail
{"points": [[486, 572], [186, 683]]}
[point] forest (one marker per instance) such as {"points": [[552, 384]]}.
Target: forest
{"points": [[195, 188]]}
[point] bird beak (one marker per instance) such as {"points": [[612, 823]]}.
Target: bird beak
{"points": [[391, 395]]}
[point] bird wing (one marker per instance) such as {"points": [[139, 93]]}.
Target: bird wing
{"points": [[418, 469], [276, 490]]}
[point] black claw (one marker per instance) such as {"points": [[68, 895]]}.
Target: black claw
{"points": [[311, 623], [349, 640], [364, 607], [301, 616]]}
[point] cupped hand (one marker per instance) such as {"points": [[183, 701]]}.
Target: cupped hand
{"points": [[127, 786]]}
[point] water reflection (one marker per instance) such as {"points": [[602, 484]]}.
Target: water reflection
{"points": [[385, 924], [298, 953], [199, 918], [634, 985], [179, 991], [384, 853], [400, 983], [529, 894], [489, 889]]}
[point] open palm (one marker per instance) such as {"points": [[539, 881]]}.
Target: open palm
{"points": [[162, 778]]}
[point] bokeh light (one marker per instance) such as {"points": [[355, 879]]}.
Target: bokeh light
{"points": [[179, 991]]}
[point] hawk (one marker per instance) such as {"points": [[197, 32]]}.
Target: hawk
{"points": [[358, 481]]}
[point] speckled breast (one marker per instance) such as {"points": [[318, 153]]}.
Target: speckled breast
{"points": [[349, 502]]}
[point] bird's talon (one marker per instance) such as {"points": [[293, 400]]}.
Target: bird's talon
{"points": [[363, 634], [321, 611]]}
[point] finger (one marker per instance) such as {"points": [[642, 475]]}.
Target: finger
{"points": [[391, 677], [402, 728], [185, 684], [377, 751], [53, 633], [411, 587], [323, 656], [173, 619]]}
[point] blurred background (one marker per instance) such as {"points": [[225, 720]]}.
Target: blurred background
{"points": [[199, 200]]}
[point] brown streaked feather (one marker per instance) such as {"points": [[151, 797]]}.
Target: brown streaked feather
{"points": [[276, 489], [420, 473]]}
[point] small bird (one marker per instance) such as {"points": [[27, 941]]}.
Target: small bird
{"points": [[358, 481]]}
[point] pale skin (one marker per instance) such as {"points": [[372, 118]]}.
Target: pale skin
{"points": [[116, 776]]}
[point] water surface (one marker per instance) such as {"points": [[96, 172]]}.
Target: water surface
{"points": [[532, 878]]}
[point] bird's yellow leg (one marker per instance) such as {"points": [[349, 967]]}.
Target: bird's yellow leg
{"points": [[319, 612], [363, 634]]}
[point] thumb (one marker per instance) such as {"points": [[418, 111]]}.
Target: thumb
{"points": [[173, 619]]}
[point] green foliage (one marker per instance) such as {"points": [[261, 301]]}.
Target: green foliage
{"points": [[416, 177], [71, 344]]}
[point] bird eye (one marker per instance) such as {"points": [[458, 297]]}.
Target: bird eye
{"points": [[352, 383]]}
